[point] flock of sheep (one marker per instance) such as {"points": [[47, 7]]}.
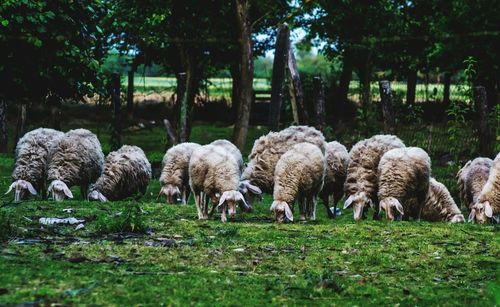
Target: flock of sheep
{"points": [[296, 165]]}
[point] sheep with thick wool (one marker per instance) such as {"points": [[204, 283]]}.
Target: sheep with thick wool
{"points": [[471, 180], [32, 154], [439, 205], [298, 176], [268, 149], [362, 178], [127, 172], [214, 176], [488, 202], [337, 160], [75, 159], [174, 178], [231, 148], [403, 182]]}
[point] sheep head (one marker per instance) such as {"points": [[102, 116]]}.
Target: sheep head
{"points": [[22, 189], [228, 201], [457, 218], [359, 202], [249, 191], [393, 208], [59, 190], [281, 211], [96, 195], [170, 192], [480, 212]]}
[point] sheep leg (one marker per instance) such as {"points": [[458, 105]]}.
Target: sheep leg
{"points": [[326, 201], [183, 201], [223, 217], [312, 207], [84, 190], [197, 201], [205, 201], [303, 208], [188, 193]]}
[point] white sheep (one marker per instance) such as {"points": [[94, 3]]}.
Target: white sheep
{"points": [[362, 177], [214, 176], [268, 149], [32, 153], [232, 149], [75, 159], [439, 205], [298, 177], [403, 182], [337, 160], [127, 171], [471, 180], [174, 178], [488, 202]]}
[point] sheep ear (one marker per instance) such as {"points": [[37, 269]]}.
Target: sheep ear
{"points": [[31, 188], [254, 189], [348, 202], [11, 187], [399, 207], [177, 191], [488, 210], [240, 197], [51, 186], [67, 192], [222, 199], [288, 212], [370, 202], [472, 215], [102, 198]]}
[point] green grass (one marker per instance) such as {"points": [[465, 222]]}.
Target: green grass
{"points": [[167, 256]]}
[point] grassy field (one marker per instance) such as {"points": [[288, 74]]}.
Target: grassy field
{"points": [[221, 87], [150, 253]]}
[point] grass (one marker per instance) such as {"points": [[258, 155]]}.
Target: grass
{"points": [[149, 253]]}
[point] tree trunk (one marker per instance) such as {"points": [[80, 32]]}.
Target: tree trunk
{"points": [[485, 140], [411, 86], [130, 93], [246, 82], [446, 90], [343, 89], [387, 107], [115, 141], [54, 103], [296, 92], [278, 77], [365, 76], [21, 124], [235, 89], [319, 103], [182, 104], [3, 125]]}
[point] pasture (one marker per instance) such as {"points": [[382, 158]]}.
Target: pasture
{"points": [[146, 252]]}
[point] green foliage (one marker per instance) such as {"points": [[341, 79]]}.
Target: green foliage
{"points": [[7, 227], [130, 220]]}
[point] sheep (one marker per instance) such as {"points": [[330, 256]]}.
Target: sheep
{"points": [[75, 159], [214, 176], [403, 182], [439, 205], [361, 181], [488, 202], [298, 176], [268, 149], [232, 149], [337, 160], [127, 171], [32, 151], [174, 178], [471, 180]]}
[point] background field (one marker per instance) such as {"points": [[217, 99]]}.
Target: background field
{"points": [[147, 252]]}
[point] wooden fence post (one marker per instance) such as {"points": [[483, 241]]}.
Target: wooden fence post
{"points": [[485, 140], [301, 115], [182, 100], [130, 92], [319, 102], [3, 125], [280, 60], [115, 141], [387, 107]]}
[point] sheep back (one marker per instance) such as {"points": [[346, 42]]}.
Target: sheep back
{"points": [[471, 180], [439, 205], [491, 190], [299, 172], [127, 171], [232, 149], [175, 164], [337, 160]]}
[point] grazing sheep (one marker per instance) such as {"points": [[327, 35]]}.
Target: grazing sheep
{"points": [[337, 160], [174, 178], [361, 181], [298, 176], [403, 182], [75, 159], [268, 149], [471, 180], [439, 205], [232, 149], [488, 202], [214, 175], [32, 152], [127, 171]]}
